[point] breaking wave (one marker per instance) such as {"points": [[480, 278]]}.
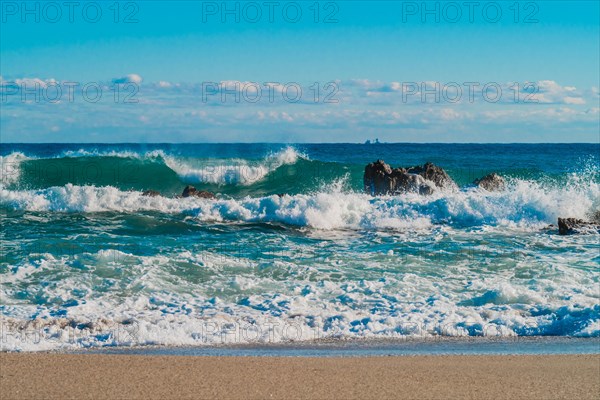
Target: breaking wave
{"points": [[525, 204], [239, 173], [129, 169]]}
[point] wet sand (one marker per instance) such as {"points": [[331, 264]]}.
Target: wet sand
{"points": [[101, 376]]}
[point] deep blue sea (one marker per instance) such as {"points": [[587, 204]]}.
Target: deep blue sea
{"points": [[292, 250]]}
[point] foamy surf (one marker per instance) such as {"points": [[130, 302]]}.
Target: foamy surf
{"points": [[295, 251], [524, 204], [236, 306]]}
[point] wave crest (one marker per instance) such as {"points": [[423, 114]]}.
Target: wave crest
{"points": [[141, 167], [240, 172]]}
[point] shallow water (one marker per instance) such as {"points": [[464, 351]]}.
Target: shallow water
{"points": [[89, 262], [381, 348]]}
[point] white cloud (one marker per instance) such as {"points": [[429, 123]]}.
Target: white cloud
{"points": [[364, 106], [547, 91], [28, 83], [431, 92], [573, 100]]}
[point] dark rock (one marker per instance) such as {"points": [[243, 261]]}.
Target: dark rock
{"points": [[433, 173], [151, 193], [190, 191], [492, 182], [380, 179], [567, 226]]}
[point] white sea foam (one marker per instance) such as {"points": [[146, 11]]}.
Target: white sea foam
{"points": [[149, 155], [236, 305], [524, 205]]}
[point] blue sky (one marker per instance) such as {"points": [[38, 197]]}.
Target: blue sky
{"points": [[368, 56]]}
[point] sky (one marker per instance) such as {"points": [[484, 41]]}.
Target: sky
{"points": [[331, 71]]}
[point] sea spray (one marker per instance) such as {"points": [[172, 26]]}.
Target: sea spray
{"points": [[239, 172]]}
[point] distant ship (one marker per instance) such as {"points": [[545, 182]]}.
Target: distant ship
{"points": [[376, 141]]}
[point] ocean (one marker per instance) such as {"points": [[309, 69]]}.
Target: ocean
{"points": [[292, 250]]}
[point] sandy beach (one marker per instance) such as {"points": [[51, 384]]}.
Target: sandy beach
{"points": [[83, 376]]}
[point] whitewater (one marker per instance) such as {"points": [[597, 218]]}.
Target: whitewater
{"points": [[291, 249]]}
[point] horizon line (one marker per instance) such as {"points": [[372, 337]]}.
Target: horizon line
{"points": [[291, 143]]}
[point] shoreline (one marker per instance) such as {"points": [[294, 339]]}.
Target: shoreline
{"points": [[383, 347], [53, 375], [352, 347]]}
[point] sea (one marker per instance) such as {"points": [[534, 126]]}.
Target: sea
{"points": [[292, 250]]}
